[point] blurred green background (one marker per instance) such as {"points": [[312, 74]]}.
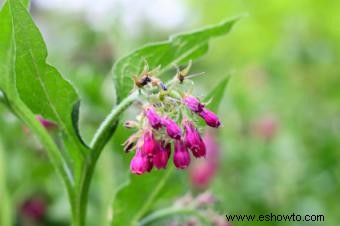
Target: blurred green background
{"points": [[281, 113]]}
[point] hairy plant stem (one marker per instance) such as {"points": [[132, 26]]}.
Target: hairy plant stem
{"points": [[101, 137], [27, 116]]}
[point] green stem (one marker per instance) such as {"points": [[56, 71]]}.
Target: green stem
{"points": [[167, 212], [5, 208], [102, 136], [26, 115], [106, 129]]}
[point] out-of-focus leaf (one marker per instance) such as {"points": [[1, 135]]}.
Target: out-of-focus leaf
{"points": [[40, 86], [179, 49], [215, 97]]}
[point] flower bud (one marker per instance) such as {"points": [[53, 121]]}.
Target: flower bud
{"points": [[181, 155], [161, 157], [149, 145], [154, 119], [193, 104], [149, 164], [130, 124], [140, 163], [193, 140], [49, 125], [130, 143], [34, 208], [172, 129], [210, 118]]}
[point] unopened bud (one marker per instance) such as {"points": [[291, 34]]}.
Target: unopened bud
{"points": [[130, 124]]}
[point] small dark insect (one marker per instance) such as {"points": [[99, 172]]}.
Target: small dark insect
{"points": [[144, 80], [180, 77]]}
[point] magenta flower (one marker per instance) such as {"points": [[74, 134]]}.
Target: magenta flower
{"points": [[193, 104], [181, 155], [210, 118], [149, 164], [34, 208], [158, 127], [140, 163], [161, 157], [149, 145], [193, 140], [172, 129], [201, 174], [154, 119], [49, 125], [266, 127]]}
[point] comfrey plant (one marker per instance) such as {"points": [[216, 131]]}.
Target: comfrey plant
{"points": [[158, 125], [44, 100]]}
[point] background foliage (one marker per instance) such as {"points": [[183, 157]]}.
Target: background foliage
{"points": [[283, 59]]}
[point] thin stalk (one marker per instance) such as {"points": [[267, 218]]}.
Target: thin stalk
{"points": [[5, 208], [101, 137], [26, 115], [106, 129]]}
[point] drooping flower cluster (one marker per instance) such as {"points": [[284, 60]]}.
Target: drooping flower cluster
{"points": [[166, 121]]}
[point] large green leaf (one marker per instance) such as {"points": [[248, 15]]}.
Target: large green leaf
{"points": [[179, 49], [40, 86], [216, 95]]}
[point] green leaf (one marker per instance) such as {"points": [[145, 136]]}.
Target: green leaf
{"points": [[40, 86], [215, 97], [179, 49], [8, 87]]}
